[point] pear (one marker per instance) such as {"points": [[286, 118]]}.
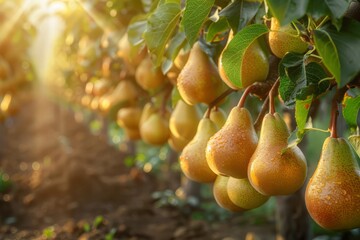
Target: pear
{"points": [[254, 68], [275, 169], [184, 120], [243, 195], [218, 116], [147, 76], [181, 59], [125, 91], [147, 111], [129, 117], [10, 105], [101, 86], [221, 195], [177, 143], [282, 39], [199, 80], [132, 133], [193, 160], [155, 130], [228, 152], [332, 195]]}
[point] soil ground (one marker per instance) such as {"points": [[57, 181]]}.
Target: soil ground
{"points": [[63, 177]]}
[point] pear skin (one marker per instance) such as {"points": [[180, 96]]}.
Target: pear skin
{"points": [[199, 80], [193, 160], [254, 68], [282, 39], [155, 130], [184, 120], [229, 151], [221, 195], [147, 111], [177, 143], [147, 76], [129, 117], [243, 195], [218, 116], [332, 195], [273, 171]]}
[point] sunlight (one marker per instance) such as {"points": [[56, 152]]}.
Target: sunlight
{"points": [[101, 21]]}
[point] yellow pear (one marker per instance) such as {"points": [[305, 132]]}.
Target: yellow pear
{"points": [[275, 169], [254, 68], [155, 130], [147, 111], [184, 120], [199, 80], [147, 76], [177, 143], [125, 91], [218, 116], [132, 133], [283, 39], [243, 195], [332, 195], [229, 151], [193, 160], [221, 194], [101, 86], [129, 117]]}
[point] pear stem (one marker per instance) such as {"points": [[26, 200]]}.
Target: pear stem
{"points": [[245, 94], [217, 100], [272, 93], [339, 95]]}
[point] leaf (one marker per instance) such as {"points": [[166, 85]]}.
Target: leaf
{"points": [[350, 110], [195, 14], [287, 10], [302, 108], [328, 51], [239, 13], [174, 46], [215, 28], [334, 8], [160, 26], [298, 80], [347, 42], [233, 54], [136, 29], [355, 142]]}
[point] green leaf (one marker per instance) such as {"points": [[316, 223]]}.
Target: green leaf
{"points": [[334, 8], [328, 51], [287, 10], [351, 108], [195, 14], [160, 27], [347, 42], [174, 46], [233, 55], [355, 142], [215, 28], [136, 29], [298, 80], [239, 13], [302, 108]]}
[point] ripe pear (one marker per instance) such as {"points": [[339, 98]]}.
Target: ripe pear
{"points": [[129, 117], [283, 39], [101, 86], [243, 195], [254, 68], [332, 195], [125, 91], [199, 80], [155, 130], [147, 76], [147, 111], [228, 152], [177, 143], [218, 116], [275, 169], [181, 59], [193, 160], [184, 120], [221, 195], [132, 133]]}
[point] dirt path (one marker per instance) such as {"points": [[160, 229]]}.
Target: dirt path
{"points": [[63, 177]]}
